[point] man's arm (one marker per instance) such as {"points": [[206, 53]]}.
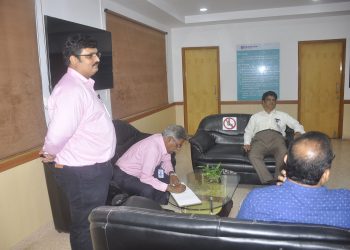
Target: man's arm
{"points": [[151, 155], [65, 118], [295, 125], [248, 133]]}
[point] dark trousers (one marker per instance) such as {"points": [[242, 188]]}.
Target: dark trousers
{"points": [[133, 186], [86, 188]]}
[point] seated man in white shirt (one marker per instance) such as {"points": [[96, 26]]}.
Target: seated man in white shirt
{"points": [[265, 135]]}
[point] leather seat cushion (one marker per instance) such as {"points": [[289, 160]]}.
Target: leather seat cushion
{"points": [[230, 153]]}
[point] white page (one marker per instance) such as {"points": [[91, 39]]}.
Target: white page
{"points": [[186, 198]]}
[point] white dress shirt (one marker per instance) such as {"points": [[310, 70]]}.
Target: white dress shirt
{"points": [[275, 120]]}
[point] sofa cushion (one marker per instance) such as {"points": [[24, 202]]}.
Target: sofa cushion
{"points": [[230, 153], [226, 153], [127, 135]]}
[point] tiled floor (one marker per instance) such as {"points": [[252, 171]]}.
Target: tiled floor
{"points": [[48, 239]]}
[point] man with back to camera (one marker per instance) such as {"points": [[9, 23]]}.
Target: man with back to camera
{"points": [[265, 135], [145, 169], [81, 139], [302, 197]]}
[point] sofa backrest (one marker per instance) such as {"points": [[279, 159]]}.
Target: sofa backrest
{"points": [[217, 125], [130, 228], [127, 135]]}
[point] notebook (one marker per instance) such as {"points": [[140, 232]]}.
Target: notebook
{"points": [[186, 198]]}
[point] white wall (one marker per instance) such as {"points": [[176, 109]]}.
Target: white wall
{"points": [[285, 32]]}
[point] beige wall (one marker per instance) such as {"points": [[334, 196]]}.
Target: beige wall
{"points": [[24, 205], [157, 122]]}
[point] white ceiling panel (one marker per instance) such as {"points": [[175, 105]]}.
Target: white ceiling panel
{"points": [[175, 13]]}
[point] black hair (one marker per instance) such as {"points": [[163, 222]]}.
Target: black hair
{"points": [[74, 44], [268, 93], [308, 157]]}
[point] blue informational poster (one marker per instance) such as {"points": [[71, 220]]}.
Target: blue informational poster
{"points": [[258, 70]]}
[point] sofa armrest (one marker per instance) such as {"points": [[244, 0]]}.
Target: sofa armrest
{"points": [[289, 135], [202, 140]]}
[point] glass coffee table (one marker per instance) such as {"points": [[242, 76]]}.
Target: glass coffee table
{"points": [[214, 195]]}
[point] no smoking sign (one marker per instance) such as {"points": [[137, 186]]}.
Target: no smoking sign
{"points": [[229, 123]]}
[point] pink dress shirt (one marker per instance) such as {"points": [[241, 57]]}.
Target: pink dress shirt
{"points": [[143, 157], [80, 130]]}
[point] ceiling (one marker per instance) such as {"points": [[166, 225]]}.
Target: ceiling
{"points": [[177, 13]]}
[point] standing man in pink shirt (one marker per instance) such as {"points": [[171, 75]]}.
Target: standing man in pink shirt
{"points": [[146, 168], [81, 139]]}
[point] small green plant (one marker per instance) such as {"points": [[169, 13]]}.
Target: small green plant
{"points": [[212, 172]]}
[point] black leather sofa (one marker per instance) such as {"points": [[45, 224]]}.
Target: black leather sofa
{"points": [[211, 144], [141, 224]]}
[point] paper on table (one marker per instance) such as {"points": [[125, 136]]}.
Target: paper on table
{"points": [[186, 198]]}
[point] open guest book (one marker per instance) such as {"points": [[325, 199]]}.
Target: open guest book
{"points": [[186, 198]]}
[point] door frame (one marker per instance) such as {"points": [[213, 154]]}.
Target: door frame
{"points": [[341, 99], [185, 82]]}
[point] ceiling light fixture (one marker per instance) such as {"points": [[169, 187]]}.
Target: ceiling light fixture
{"points": [[203, 9]]}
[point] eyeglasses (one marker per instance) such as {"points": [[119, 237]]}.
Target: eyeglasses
{"points": [[178, 145], [91, 55]]}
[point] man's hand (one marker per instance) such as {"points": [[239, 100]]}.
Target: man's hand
{"points": [[247, 148], [281, 178], [174, 180], [45, 157], [179, 188]]}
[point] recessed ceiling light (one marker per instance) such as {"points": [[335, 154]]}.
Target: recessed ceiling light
{"points": [[203, 9]]}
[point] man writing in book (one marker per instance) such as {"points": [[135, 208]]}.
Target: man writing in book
{"points": [[146, 169]]}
